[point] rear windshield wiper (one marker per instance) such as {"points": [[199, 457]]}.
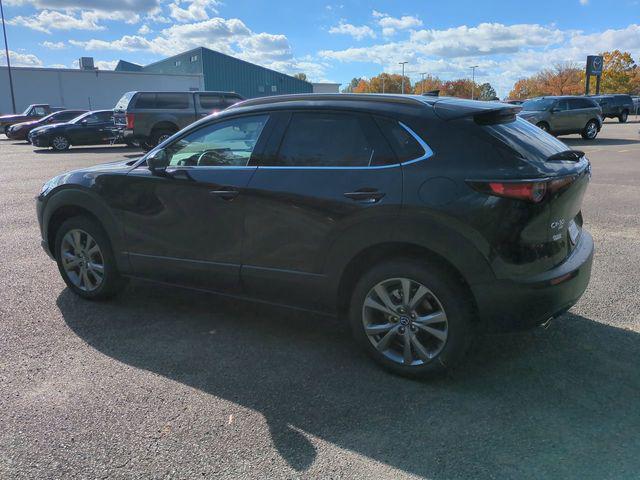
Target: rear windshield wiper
{"points": [[566, 156]]}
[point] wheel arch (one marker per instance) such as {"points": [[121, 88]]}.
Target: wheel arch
{"points": [[164, 125], [385, 251], [71, 203]]}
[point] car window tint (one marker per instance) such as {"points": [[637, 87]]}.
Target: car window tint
{"points": [[64, 116], [146, 100], [227, 143], [172, 100], [104, 117], [563, 105], [404, 145], [212, 102], [325, 140], [575, 103], [93, 118]]}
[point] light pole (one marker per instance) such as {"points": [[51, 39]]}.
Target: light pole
{"points": [[382, 76], [403, 64], [473, 79], [6, 50], [422, 74]]}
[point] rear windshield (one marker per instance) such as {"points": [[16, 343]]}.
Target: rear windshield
{"points": [[526, 139], [537, 105], [123, 103]]}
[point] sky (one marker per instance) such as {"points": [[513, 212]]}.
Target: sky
{"points": [[329, 41]]}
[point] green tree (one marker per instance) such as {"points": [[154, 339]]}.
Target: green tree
{"points": [[301, 76], [486, 92], [352, 85], [618, 70]]}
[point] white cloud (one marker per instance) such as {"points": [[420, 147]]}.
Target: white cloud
{"points": [[144, 30], [584, 2], [391, 24], [53, 45], [103, 5], [195, 9], [357, 32], [106, 64], [48, 20], [20, 59]]}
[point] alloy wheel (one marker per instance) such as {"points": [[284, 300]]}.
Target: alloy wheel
{"points": [[82, 260], [60, 143], [592, 130], [405, 321]]}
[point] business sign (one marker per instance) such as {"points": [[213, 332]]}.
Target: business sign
{"points": [[594, 65]]}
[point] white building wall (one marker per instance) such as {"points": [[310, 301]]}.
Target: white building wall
{"points": [[326, 87], [99, 89]]}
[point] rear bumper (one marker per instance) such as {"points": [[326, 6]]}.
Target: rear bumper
{"points": [[509, 305]]}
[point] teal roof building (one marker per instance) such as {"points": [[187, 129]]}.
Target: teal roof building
{"points": [[224, 73]]}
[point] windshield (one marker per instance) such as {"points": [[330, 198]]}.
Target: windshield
{"points": [[537, 105], [26, 112]]}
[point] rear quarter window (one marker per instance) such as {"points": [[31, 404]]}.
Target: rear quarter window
{"points": [[172, 101], [404, 145], [123, 103]]}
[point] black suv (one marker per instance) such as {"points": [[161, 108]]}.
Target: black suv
{"points": [[149, 118], [425, 219], [615, 106]]}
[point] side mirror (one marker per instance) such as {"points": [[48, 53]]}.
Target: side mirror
{"points": [[554, 110], [157, 161]]}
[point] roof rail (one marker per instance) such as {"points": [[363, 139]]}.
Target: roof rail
{"points": [[364, 97]]}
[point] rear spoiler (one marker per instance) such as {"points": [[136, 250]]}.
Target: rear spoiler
{"points": [[483, 113], [566, 156]]}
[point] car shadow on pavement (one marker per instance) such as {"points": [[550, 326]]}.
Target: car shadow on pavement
{"points": [[103, 150], [555, 403]]}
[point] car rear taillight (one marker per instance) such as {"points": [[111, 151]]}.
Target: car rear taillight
{"points": [[531, 191], [130, 120]]}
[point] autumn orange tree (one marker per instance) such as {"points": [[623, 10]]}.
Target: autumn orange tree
{"points": [[428, 84], [620, 74]]}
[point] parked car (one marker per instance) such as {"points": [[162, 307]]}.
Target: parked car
{"points": [[149, 118], [615, 106], [363, 205], [92, 128], [636, 104], [19, 131], [514, 102], [32, 112], [564, 115]]}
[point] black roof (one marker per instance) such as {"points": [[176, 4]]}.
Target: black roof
{"points": [[446, 108]]}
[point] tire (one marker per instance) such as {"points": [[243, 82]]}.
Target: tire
{"points": [[544, 126], [6, 130], [590, 130], [97, 286], [623, 117], [60, 143], [445, 299], [159, 136]]}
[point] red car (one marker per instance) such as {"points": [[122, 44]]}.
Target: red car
{"points": [[20, 131]]}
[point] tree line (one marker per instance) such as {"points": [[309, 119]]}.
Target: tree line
{"points": [[620, 74], [392, 83]]}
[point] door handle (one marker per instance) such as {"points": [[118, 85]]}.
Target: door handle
{"points": [[225, 194], [365, 195]]}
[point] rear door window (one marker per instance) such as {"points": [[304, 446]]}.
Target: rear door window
{"points": [[172, 101], [146, 100], [326, 139]]}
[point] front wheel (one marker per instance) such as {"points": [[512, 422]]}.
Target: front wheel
{"points": [[411, 318], [590, 130], [623, 117], [85, 259], [60, 143]]}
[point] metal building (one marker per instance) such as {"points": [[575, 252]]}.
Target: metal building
{"points": [[225, 73]]}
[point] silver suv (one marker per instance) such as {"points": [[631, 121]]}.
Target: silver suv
{"points": [[564, 115]]}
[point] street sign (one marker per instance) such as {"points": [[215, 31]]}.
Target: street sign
{"points": [[594, 65]]}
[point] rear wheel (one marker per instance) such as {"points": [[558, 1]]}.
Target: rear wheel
{"points": [[543, 126], [623, 116], [85, 259], [60, 143], [590, 130], [413, 319], [6, 130]]}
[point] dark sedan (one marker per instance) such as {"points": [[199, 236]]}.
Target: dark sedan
{"points": [[92, 128], [20, 131]]}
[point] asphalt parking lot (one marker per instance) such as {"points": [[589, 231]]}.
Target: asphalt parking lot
{"points": [[163, 383]]}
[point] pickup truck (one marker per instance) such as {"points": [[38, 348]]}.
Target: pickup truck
{"points": [[32, 112], [149, 118]]}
